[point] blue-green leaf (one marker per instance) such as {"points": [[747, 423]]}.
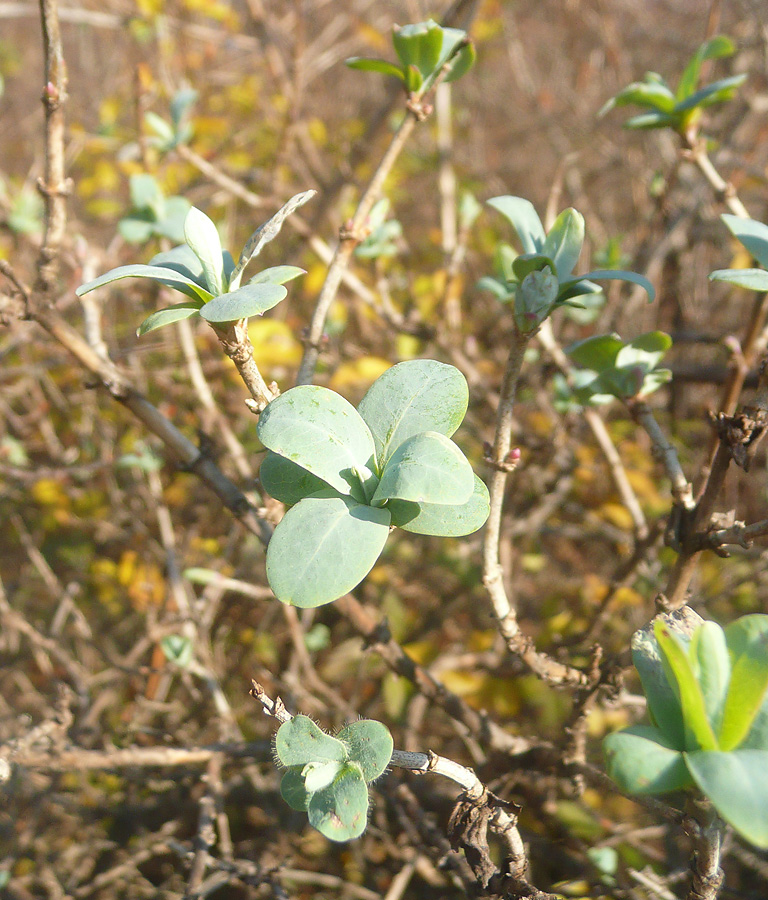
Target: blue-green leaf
{"points": [[277, 275], [647, 121], [411, 397], [293, 790], [643, 93], [751, 233], [369, 744], [642, 760], [715, 48], [164, 275], [712, 668], [287, 481], [323, 548], [751, 279], [443, 520], [746, 694], [735, 782], [427, 467], [167, 316], [300, 741], [251, 300], [201, 235], [621, 275], [717, 92], [323, 433], [564, 242], [340, 811], [524, 219]]}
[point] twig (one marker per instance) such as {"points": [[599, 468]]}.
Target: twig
{"points": [[503, 461], [353, 231], [53, 186], [707, 876]]}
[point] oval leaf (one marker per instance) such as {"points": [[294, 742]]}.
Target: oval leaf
{"points": [[340, 811], [746, 693], [277, 275], [293, 791], [300, 741], [369, 744], [323, 548], [735, 782], [201, 235], [411, 397], [322, 432], [641, 760], [167, 316], [251, 300], [564, 241], [429, 468], [164, 275], [524, 219], [441, 519], [286, 481], [751, 279], [752, 234]]}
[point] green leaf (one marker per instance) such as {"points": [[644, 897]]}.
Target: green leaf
{"points": [[535, 298], [712, 668], [277, 275], [300, 741], [251, 300], [621, 275], [167, 316], [369, 744], [375, 65], [340, 811], [443, 520], [644, 352], [162, 274], [744, 631], [663, 702], [266, 233], [182, 260], [746, 694], [564, 241], [146, 194], [647, 121], [138, 228], [642, 760], [498, 288], [323, 548], [161, 129], [526, 263], [715, 48], [177, 649], [735, 782], [181, 103], [427, 467], [752, 234], [323, 433], [717, 92], [642, 93], [597, 353], [463, 60], [524, 219], [698, 731], [419, 45], [172, 224], [413, 396], [202, 237], [287, 481], [751, 279], [293, 790]]}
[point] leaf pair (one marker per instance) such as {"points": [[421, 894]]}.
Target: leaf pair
{"points": [[754, 237], [422, 49], [707, 692], [350, 474], [682, 108], [327, 776], [207, 275], [614, 369], [541, 278]]}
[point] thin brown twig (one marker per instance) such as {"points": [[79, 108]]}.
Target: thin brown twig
{"points": [[354, 231]]}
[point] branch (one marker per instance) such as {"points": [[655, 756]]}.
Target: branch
{"points": [[354, 231]]}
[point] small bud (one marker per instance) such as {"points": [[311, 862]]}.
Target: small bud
{"points": [[513, 456]]}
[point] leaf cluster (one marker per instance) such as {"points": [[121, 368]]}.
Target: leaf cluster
{"points": [[153, 215], [707, 692], [350, 474], [679, 109], [422, 50], [541, 278], [328, 776], [208, 276], [612, 369]]}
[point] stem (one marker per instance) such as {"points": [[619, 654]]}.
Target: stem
{"points": [[353, 232], [53, 186]]}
